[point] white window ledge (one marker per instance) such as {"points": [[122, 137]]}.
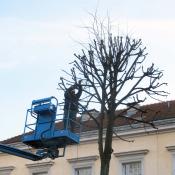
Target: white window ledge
{"points": [[171, 148], [132, 153], [80, 159], [6, 170]]}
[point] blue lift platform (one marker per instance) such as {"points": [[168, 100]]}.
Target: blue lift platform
{"points": [[42, 134]]}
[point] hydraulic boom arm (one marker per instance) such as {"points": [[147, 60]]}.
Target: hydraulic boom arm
{"points": [[19, 153]]}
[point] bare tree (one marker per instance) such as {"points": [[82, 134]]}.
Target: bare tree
{"points": [[114, 73]]}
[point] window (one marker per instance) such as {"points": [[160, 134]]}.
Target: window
{"points": [[40, 168], [6, 170], [83, 171], [171, 149], [131, 168], [132, 162], [83, 165], [43, 173]]}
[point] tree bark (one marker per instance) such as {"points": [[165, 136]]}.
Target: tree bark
{"points": [[106, 155], [105, 163]]}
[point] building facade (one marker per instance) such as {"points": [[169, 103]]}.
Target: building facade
{"points": [[146, 151]]}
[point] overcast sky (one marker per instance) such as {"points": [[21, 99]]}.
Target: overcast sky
{"points": [[38, 40]]}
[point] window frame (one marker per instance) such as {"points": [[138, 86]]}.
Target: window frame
{"points": [[131, 161], [171, 149], [75, 169], [129, 157]]}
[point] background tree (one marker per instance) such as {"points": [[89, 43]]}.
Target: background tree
{"points": [[114, 74]]}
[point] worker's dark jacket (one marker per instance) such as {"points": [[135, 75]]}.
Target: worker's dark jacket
{"points": [[71, 100]]}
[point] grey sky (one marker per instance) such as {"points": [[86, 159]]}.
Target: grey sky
{"points": [[37, 40]]}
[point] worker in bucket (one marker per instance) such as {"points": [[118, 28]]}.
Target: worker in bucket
{"points": [[71, 105]]}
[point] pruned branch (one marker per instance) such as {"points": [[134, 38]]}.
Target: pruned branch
{"points": [[121, 138]]}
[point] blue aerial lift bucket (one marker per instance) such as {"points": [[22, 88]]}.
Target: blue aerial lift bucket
{"points": [[43, 133]]}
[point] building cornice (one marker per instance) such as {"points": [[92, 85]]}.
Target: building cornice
{"points": [[163, 126]]}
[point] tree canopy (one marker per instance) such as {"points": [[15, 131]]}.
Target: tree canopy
{"points": [[114, 74]]}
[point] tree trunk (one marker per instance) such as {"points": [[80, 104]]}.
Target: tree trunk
{"points": [[105, 163], [107, 151]]}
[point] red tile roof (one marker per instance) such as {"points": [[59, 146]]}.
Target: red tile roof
{"points": [[156, 111]]}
